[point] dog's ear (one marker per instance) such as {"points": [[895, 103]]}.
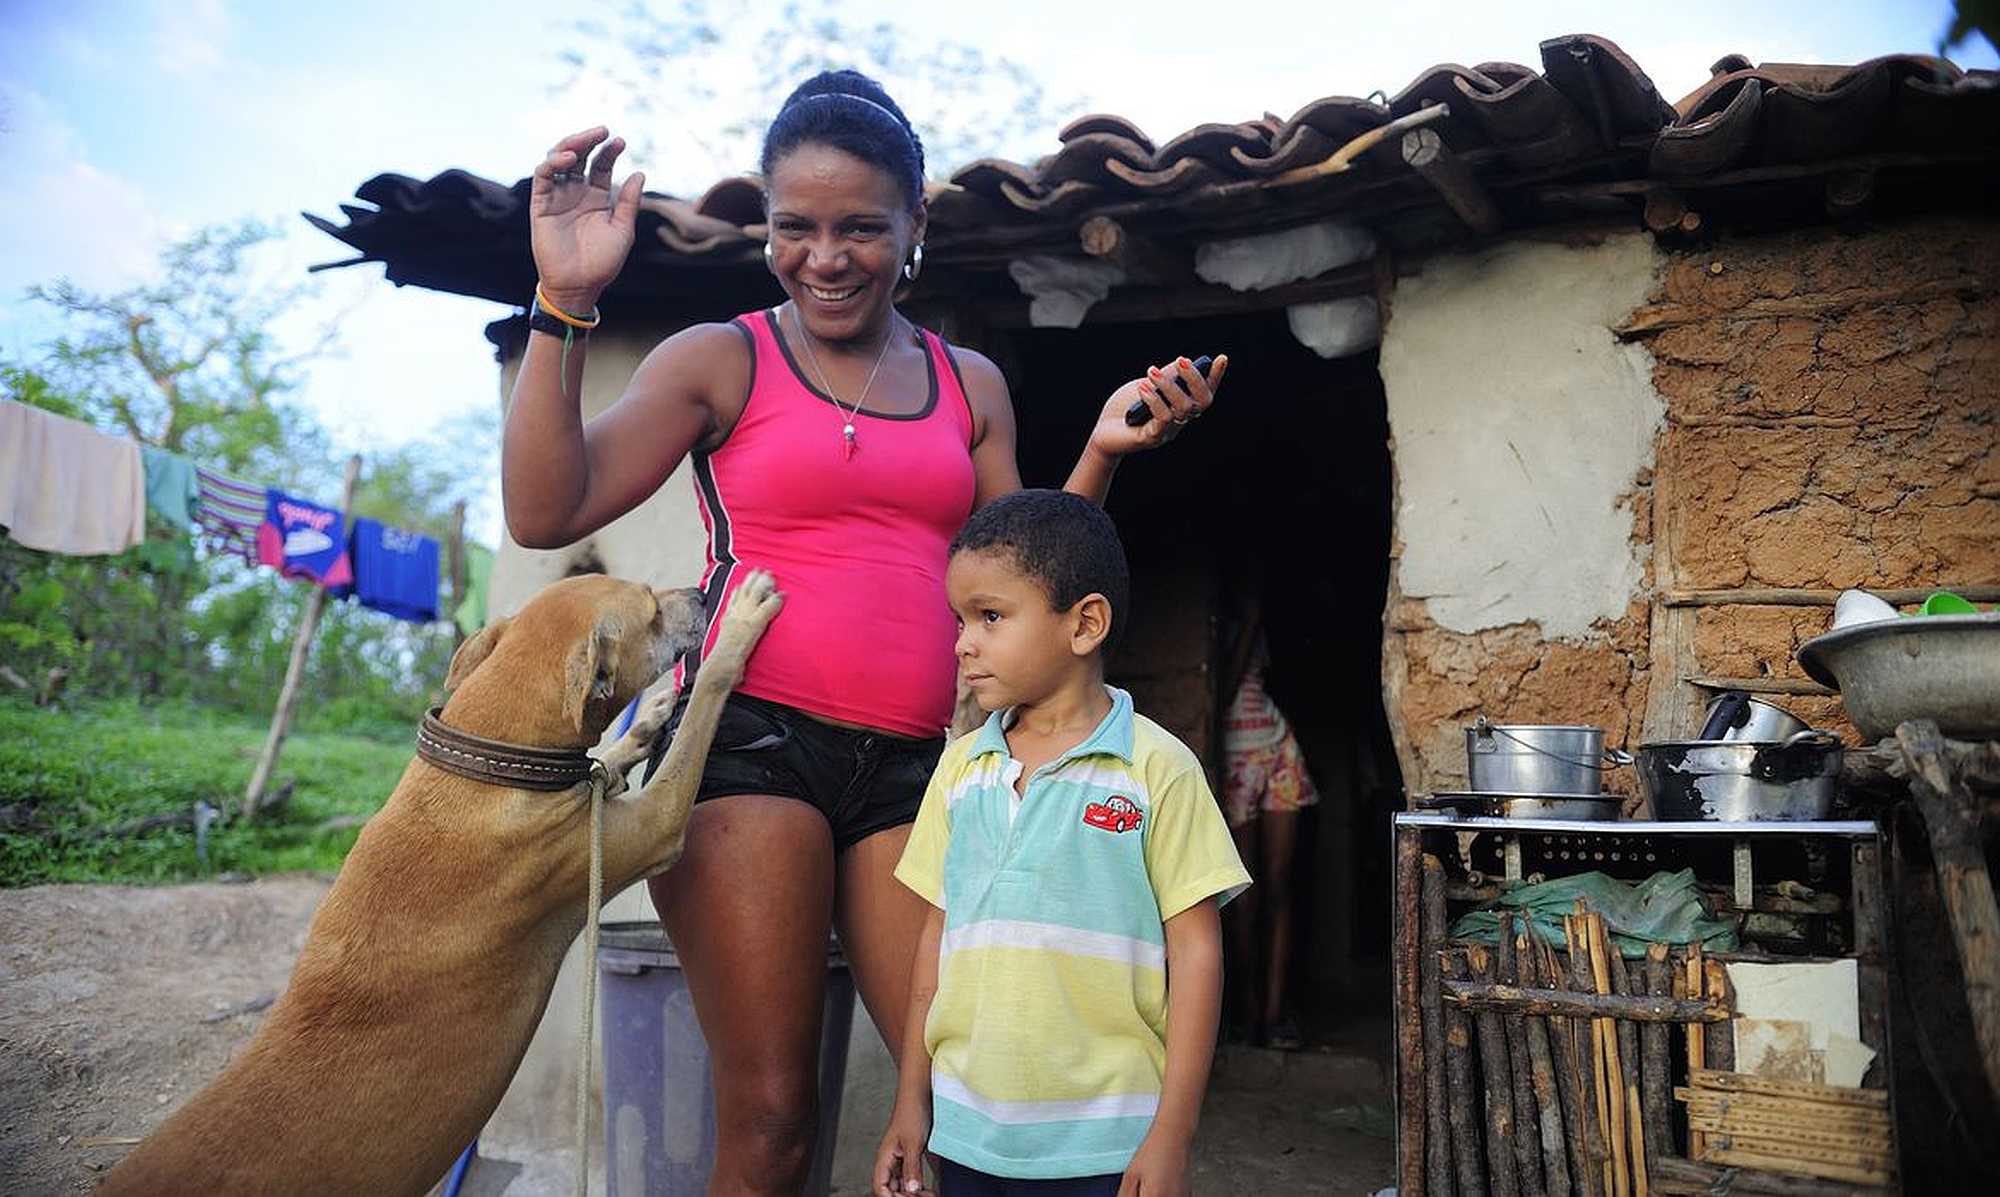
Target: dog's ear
{"points": [[589, 675], [474, 651]]}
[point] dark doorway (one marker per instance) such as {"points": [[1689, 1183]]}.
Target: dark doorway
{"points": [[1284, 491]]}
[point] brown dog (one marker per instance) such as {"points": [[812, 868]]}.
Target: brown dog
{"points": [[430, 961]]}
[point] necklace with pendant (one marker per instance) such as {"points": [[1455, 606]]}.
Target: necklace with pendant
{"points": [[847, 442]]}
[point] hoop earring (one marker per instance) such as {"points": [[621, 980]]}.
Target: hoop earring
{"points": [[915, 266], [770, 258]]}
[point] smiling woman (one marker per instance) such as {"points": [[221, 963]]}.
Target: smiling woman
{"points": [[840, 447]]}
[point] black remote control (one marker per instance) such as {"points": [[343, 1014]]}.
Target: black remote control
{"points": [[1139, 413]]}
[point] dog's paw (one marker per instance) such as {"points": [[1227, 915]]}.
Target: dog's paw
{"points": [[753, 605], [654, 712]]}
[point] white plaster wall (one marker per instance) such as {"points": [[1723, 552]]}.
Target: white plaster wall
{"points": [[660, 542], [1519, 421]]}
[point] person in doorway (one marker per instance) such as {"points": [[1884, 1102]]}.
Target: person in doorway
{"points": [[1265, 787], [1065, 990], [840, 447]]}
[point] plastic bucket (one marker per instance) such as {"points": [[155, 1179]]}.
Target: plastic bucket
{"points": [[659, 1103]]}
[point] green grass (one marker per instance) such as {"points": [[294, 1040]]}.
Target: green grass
{"points": [[66, 773]]}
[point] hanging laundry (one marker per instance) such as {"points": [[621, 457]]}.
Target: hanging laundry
{"points": [[230, 512], [471, 613], [301, 539], [65, 487], [395, 572], [171, 487]]}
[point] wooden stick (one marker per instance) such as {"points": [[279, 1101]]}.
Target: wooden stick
{"points": [[1498, 1075], [1720, 1051], [1465, 1136], [1743, 1082], [1607, 1040], [1696, 1045], [1687, 1178], [1579, 959], [1407, 934], [1527, 1116], [1656, 1082], [1951, 823], [1642, 1008], [1437, 1136], [1768, 597], [1563, 1049], [1542, 1072], [1628, 1060]]}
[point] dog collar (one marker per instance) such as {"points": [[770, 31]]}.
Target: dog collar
{"points": [[499, 763]]}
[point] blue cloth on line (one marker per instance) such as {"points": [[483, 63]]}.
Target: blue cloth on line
{"points": [[395, 572]]}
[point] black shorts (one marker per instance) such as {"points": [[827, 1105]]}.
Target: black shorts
{"points": [[957, 1180], [863, 782]]}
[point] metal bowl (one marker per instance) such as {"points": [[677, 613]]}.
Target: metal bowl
{"points": [[1940, 667]]}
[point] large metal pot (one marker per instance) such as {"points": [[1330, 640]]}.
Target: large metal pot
{"points": [[1737, 781], [1520, 758]]}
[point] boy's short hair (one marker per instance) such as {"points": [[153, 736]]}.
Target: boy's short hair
{"points": [[1064, 542]]}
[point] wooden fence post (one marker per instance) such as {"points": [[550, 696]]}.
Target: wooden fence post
{"points": [[288, 695]]}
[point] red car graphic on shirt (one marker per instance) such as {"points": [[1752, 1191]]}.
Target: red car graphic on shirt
{"points": [[1116, 813]]}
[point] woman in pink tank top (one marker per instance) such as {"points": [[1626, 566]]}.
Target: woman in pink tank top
{"points": [[839, 447]]}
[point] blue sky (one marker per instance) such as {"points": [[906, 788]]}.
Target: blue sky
{"points": [[124, 123]]}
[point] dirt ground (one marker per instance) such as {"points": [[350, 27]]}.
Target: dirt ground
{"points": [[117, 1003]]}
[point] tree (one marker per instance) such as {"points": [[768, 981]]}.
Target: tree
{"points": [[702, 88], [187, 363]]}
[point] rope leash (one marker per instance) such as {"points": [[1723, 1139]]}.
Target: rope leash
{"points": [[599, 781]]}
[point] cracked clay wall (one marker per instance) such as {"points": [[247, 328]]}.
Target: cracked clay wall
{"points": [[1825, 411]]}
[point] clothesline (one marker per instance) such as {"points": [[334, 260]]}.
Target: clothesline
{"points": [[66, 487]]}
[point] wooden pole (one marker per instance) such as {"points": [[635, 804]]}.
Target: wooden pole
{"points": [[1498, 1075], [1628, 1061], [1437, 1135], [288, 694], [1408, 928], [455, 558], [1591, 1042], [1452, 179], [1463, 1112], [1697, 1048], [1527, 1116], [1607, 1046], [1569, 1082], [1951, 822], [1656, 1086], [1720, 1052], [1513, 999], [1542, 1073]]}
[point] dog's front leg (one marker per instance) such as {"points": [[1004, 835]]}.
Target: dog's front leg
{"points": [[637, 742], [645, 831]]}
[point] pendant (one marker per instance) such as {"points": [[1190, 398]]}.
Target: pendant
{"points": [[847, 443]]}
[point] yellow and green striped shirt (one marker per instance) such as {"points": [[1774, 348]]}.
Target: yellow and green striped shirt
{"points": [[1047, 1036]]}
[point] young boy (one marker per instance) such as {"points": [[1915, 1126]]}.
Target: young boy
{"points": [[1074, 859]]}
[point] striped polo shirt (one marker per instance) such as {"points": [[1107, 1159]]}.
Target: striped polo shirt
{"points": [[1047, 1035]]}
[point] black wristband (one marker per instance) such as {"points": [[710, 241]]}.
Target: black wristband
{"points": [[539, 320]]}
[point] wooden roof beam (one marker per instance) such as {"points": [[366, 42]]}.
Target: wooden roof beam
{"points": [[1426, 154]]}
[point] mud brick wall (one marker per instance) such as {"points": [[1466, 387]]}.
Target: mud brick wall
{"points": [[1832, 419]]}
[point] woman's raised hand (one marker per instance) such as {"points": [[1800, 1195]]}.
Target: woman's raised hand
{"points": [[579, 229], [1176, 394]]}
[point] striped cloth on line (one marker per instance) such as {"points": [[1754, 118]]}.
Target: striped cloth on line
{"points": [[229, 512]]}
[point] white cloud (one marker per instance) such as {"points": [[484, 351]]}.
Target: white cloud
{"points": [[191, 36], [71, 218]]}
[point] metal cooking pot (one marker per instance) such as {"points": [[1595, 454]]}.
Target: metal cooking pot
{"points": [[1737, 781], [1588, 808], [1522, 758], [1734, 715]]}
